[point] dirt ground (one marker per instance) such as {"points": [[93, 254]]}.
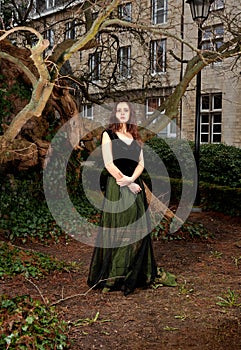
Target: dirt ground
{"points": [[182, 317]]}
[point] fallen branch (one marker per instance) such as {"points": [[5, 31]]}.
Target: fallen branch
{"points": [[40, 293], [157, 206], [83, 294]]}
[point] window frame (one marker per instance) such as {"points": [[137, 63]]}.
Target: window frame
{"points": [[85, 109], [123, 14], [50, 4], [211, 37], [168, 130], [70, 30], [218, 5], [50, 36], [154, 58], [157, 10], [122, 65], [95, 65], [211, 112]]}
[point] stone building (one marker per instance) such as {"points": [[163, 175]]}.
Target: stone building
{"points": [[139, 66]]}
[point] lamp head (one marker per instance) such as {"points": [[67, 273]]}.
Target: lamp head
{"points": [[200, 9]]}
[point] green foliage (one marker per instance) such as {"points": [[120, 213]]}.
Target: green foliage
{"points": [[223, 199], [172, 152], [236, 260], [15, 261], [17, 90], [189, 230], [185, 289], [25, 214], [229, 300], [28, 324], [219, 164], [220, 173], [216, 254], [88, 321]]}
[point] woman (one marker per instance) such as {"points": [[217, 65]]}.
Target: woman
{"points": [[123, 258]]}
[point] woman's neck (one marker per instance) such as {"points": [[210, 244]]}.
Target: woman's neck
{"points": [[123, 128]]}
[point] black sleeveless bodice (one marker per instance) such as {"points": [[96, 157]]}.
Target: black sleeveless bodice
{"points": [[125, 157]]}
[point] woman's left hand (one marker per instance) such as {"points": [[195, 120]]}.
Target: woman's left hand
{"points": [[124, 181], [134, 188]]}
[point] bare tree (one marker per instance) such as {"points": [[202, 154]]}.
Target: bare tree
{"points": [[100, 35]]}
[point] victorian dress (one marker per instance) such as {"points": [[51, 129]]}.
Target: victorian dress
{"points": [[123, 255]]}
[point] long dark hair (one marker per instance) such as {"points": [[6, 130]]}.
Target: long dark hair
{"points": [[131, 125]]}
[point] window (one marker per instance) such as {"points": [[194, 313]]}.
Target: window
{"points": [[217, 5], [159, 11], [87, 111], [211, 118], [212, 37], [38, 5], [70, 30], [158, 56], [50, 37], [124, 12], [124, 60], [50, 4], [94, 65], [152, 104]]}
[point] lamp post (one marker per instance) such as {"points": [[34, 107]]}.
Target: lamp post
{"points": [[200, 11]]}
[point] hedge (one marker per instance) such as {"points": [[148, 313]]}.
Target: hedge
{"points": [[223, 199], [220, 164]]}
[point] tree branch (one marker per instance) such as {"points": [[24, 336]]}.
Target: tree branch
{"points": [[20, 64]]}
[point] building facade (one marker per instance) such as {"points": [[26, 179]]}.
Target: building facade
{"points": [[145, 66]]}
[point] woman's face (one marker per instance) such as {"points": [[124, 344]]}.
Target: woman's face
{"points": [[123, 112]]}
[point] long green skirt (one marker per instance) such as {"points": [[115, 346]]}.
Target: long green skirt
{"points": [[123, 257]]}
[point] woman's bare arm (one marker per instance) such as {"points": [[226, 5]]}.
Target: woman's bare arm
{"points": [[108, 157]]}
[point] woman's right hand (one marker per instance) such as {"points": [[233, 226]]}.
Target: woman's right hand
{"points": [[134, 188]]}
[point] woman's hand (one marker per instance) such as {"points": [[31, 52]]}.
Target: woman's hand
{"points": [[124, 181], [134, 188]]}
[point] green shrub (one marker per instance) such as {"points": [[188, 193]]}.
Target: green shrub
{"points": [[219, 164], [172, 152], [25, 214], [219, 175], [223, 199]]}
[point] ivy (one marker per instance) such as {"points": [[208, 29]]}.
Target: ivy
{"points": [[15, 261], [25, 215], [27, 324], [188, 231]]}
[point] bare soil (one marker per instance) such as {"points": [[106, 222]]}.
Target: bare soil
{"points": [[182, 317]]}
